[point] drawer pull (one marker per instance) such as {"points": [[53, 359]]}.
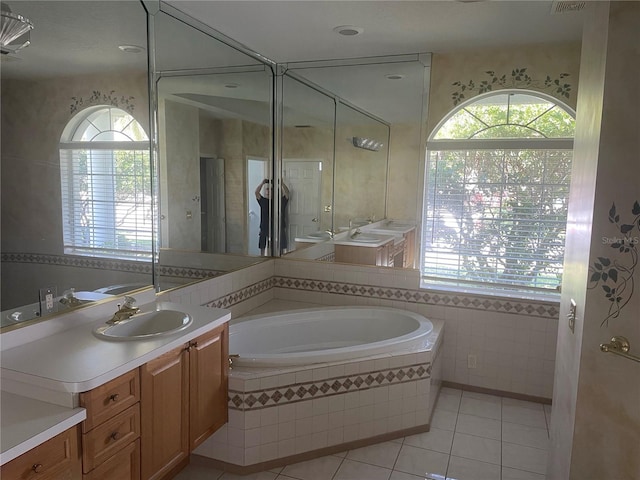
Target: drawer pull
{"points": [[115, 435], [37, 467], [114, 397]]}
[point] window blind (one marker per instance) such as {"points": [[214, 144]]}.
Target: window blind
{"points": [[106, 201], [496, 216]]}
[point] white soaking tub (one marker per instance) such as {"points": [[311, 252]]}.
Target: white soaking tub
{"points": [[328, 334]]}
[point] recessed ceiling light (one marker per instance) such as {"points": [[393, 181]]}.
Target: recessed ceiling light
{"points": [[394, 76], [348, 30], [231, 85], [131, 48]]}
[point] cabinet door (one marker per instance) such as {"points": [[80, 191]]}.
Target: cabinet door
{"points": [[164, 406], [209, 367]]}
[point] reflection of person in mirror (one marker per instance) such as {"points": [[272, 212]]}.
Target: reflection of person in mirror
{"points": [[263, 195]]}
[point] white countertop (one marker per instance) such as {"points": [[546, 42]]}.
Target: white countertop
{"points": [[353, 242], [74, 361], [26, 423]]}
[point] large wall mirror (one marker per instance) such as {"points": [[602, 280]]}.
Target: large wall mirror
{"points": [[380, 104], [214, 148], [74, 228]]}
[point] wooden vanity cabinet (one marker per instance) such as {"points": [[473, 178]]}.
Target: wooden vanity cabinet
{"points": [[56, 459], [111, 431], [409, 253], [184, 400], [364, 255]]}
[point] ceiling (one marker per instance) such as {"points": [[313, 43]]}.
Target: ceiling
{"points": [[77, 37], [288, 31]]}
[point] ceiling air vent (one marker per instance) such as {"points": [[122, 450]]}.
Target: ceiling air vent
{"points": [[567, 7]]}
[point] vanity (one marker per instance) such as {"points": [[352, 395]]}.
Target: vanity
{"points": [[386, 243], [76, 405]]}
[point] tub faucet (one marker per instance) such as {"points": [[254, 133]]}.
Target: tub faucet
{"points": [[125, 311]]}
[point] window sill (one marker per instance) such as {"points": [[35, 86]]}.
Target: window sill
{"points": [[493, 293]]}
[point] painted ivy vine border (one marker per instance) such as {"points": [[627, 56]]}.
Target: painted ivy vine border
{"points": [[519, 78], [615, 276], [97, 98]]}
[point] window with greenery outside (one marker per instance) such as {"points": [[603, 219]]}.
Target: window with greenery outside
{"points": [[106, 185], [496, 193]]}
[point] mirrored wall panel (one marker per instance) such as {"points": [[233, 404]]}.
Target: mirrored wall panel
{"points": [[307, 163], [214, 148], [76, 181]]}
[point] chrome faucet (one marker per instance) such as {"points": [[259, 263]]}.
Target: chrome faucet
{"points": [[125, 311]]}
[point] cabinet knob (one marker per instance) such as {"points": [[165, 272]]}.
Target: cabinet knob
{"points": [[115, 435], [114, 397], [37, 467]]}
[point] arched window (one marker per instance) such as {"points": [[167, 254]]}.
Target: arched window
{"points": [[106, 185], [496, 193]]}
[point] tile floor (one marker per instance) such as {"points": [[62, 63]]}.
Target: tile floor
{"points": [[473, 437]]}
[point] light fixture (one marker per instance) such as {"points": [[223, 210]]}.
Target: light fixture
{"points": [[394, 76], [367, 143], [348, 30], [131, 48], [15, 31], [231, 85]]}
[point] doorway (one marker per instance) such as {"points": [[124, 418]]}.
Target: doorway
{"points": [[212, 215], [304, 179], [257, 170]]}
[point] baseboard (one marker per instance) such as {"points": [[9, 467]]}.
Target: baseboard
{"points": [[499, 393], [301, 457]]}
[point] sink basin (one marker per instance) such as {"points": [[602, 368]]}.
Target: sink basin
{"points": [[365, 239], [317, 235], [146, 325]]}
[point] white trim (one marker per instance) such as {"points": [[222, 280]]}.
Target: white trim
{"points": [[501, 144]]}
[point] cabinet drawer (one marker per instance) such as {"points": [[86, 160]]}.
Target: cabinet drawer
{"points": [[56, 459], [106, 439], [124, 465], [110, 399]]}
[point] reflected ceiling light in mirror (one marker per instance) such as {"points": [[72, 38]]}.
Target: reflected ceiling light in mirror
{"points": [[348, 30], [231, 85], [394, 76], [15, 31], [367, 143], [131, 48]]}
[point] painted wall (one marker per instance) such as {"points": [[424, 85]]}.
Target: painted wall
{"points": [[596, 414], [34, 114]]}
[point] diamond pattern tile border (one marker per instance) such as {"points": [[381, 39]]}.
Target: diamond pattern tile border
{"points": [[77, 261], [476, 302], [298, 392]]}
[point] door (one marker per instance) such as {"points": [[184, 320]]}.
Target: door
{"points": [[304, 179], [212, 194], [256, 172]]}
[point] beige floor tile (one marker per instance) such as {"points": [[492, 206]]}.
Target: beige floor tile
{"points": [[421, 462], [352, 470], [436, 439], [476, 448], [380, 454], [525, 458], [479, 426], [468, 469]]}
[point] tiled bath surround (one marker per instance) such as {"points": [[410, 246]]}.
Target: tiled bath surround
{"points": [[280, 413], [513, 341]]}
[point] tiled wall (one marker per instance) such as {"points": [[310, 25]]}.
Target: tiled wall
{"points": [[513, 341]]}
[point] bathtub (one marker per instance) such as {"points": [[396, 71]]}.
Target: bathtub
{"points": [[328, 334], [320, 380]]}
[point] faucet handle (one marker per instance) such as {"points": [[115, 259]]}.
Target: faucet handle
{"points": [[129, 302]]}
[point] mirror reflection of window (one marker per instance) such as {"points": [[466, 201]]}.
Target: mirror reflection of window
{"points": [[106, 185]]}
